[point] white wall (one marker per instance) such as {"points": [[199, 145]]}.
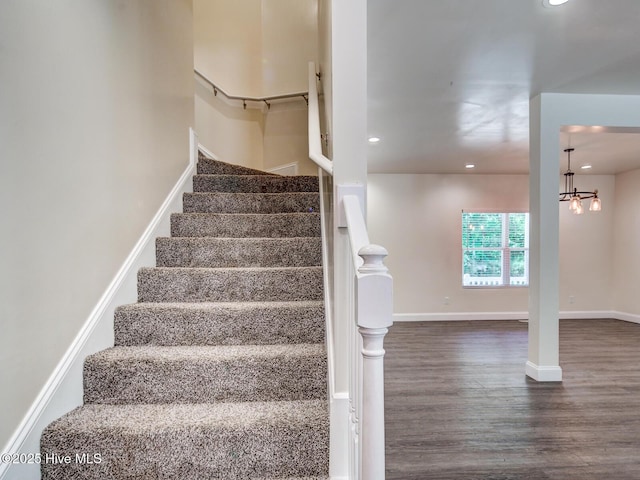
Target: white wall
{"points": [[417, 218], [95, 105], [255, 48], [626, 256]]}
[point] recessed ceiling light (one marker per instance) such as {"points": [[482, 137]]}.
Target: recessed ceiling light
{"points": [[469, 165], [374, 139], [553, 3], [585, 167]]}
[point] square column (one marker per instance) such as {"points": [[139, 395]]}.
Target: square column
{"points": [[548, 113], [543, 362]]}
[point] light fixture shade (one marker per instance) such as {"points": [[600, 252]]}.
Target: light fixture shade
{"points": [[575, 203], [579, 209], [596, 204]]}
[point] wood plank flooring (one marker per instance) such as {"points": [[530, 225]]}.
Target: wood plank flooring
{"points": [[459, 406]]}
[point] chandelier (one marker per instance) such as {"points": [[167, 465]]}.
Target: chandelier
{"points": [[573, 196]]}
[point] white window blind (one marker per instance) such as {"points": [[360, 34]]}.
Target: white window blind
{"points": [[495, 249]]}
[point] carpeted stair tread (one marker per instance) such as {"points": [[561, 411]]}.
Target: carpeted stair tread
{"points": [[238, 225], [254, 183], [192, 441], [219, 370], [205, 374], [220, 202], [219, 323], [177, 284], [238, 252], [208, 165]]}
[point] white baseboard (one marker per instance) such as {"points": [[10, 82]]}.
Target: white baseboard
{"points": [[207, 152], [458, 316], [543, 373], [627, 317], [586, 314], [463, 316], [287, 169], [63, 390]]}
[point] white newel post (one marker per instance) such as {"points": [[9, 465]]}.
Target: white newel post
{"points": [[374, 290]]}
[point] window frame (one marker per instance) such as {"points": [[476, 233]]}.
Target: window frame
{"points": [[504, 249]]}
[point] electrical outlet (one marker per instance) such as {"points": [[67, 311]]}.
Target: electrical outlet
{"points": [[445, 301], [572, 299]]}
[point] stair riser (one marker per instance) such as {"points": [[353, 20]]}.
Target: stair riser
{"points": [[215, 167], [193, 454], [253, 184], [218, 325], [232, 285], [245, 225], [250, 202], [145, 380], [249, 252]]}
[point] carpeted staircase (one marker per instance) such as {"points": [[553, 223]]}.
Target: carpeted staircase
{"points": [[219, 370]]}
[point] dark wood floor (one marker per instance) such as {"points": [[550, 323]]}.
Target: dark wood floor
{"points": [[458, 405]]}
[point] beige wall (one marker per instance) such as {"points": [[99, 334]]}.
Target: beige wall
{"points": [[233, 134], [323, 66], [289, 43], [95, 105], [417, 218], [626, 255], [286, 139], [586, 249], [227, 44], [256, 137], [255, 48]]}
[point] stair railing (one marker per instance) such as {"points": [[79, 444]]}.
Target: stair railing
{"points": [[315, 146], [370, 306], [266, 100], [371, 303]]}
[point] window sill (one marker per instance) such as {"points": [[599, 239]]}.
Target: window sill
{"points": [[492, 287]]}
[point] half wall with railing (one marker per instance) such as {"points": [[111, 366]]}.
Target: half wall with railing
{"points": [[358, 428]]}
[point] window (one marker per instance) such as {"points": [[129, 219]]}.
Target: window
{"points": [[495, 249]]}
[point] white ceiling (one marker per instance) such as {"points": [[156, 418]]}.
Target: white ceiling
{"points": [[449, 81]]}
